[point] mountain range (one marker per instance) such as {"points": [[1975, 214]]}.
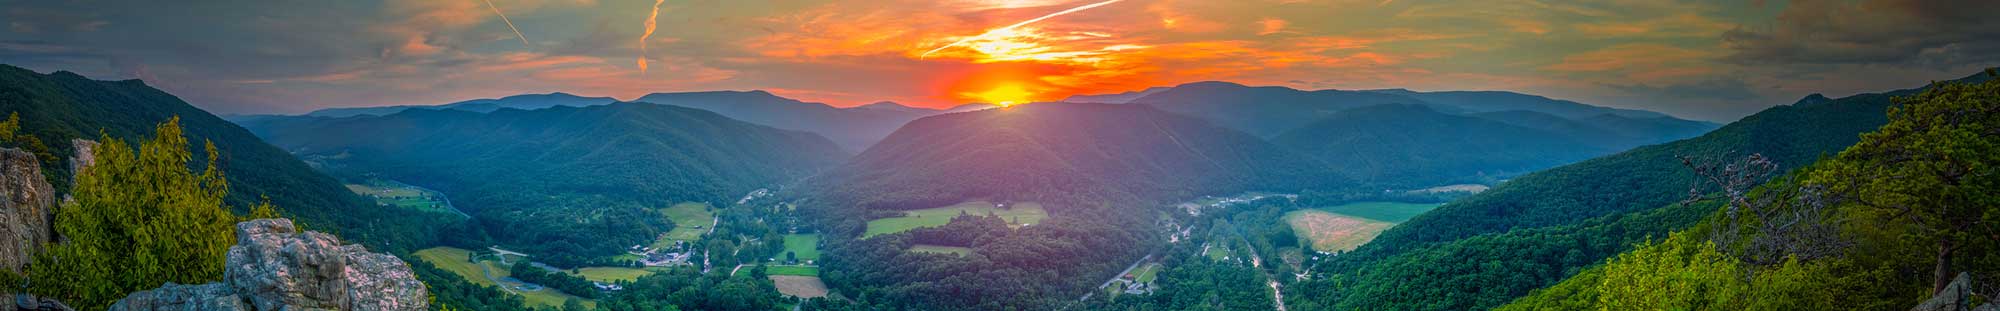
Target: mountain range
{"points": [[546, 179]]}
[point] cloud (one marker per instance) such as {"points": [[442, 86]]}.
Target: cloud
{"points": [[1725, 88], [1893, 32]]}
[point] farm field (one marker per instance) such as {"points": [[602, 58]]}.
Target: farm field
{"points": [[805, 246], [392, 193], [612, 274], [1146, 274], [940, 249], [799, 286], [691, 220], [1016, 213], [453, 259], [1345, 227]]}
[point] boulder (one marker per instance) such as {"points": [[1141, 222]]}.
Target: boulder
{"points": [[26, 205], [86, 154], [275, 267], [1956, 296]]}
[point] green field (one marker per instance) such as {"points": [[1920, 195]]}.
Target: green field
{"points": [[792, 270], [1146, 273], [1390, 212], [1345, 227], [691, 220], [1218, 251], [402, 195], [1017, 213], [453, 259], [939, 249], [612, 274], [805, 246]]}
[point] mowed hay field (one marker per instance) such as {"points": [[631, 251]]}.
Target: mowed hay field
{"points": [[612, 274], [1015, 213], [1345, 227], [805, 246], [453, 259], [401, 195], [799, 286], [691, 220]]}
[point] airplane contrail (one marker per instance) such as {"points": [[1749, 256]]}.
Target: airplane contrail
{"points": [[990, 33], [650, 24], [510, 24]]}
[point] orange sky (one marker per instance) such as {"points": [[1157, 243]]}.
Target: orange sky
{"points": [[1705, 59]]}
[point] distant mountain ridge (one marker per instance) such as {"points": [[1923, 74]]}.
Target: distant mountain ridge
{"points": [[852, 128], [523, 102], [1118, 98], [1414, 146], [1061, 153], [587, 175]]}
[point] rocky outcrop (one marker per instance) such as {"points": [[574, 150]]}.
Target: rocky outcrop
{"points": [[86, 154], [26, 205], [1956, 296], [274, 267]]}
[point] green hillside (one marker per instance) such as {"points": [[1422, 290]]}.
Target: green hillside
{"points": [[61, 106], [568, 184]]}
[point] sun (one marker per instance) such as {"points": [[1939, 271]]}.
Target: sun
{"points": [[1005, 94]]}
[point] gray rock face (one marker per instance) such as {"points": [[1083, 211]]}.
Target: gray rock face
{"points": [[274, 267], [26, 203], [86, 154], [1956, 296]]}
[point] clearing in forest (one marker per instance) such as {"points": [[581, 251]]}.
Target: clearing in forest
{"points": [[1023, 213], [1345, 227]]}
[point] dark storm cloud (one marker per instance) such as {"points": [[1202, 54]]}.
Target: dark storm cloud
{"points": [[1933, 33]]}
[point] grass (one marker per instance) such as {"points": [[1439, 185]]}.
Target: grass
{"points": [[805, 246], [1146, 273], [940, 249], [691, 220], [392, 193], [612, 274], [453, 259], [1219, 252], [1389, 212], [1017, 213], [792, 270], [1345, 227]]}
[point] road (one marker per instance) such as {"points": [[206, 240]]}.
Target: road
{"points": [[1277, 293]]}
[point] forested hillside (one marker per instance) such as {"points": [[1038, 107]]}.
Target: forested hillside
{"points": [[1438, 263], [1902, 215], [61, 106], [570, 183], [523, 102], [1063, 152], [852, 128], [1412, 146]]}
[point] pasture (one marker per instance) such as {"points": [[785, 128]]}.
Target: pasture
{"points": [[454, 260], [1345, 227], [392, 193], [690, 219], [1023, 213], [805, 246], [612, 274]]}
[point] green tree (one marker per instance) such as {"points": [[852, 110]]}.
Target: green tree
{"points": [[1676, 274], [574, 304], [1931, 171], [140, 218]]}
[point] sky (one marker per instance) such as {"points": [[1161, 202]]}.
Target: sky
{"points": [[1707, 60]]}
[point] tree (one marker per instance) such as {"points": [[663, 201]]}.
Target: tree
{"points": [[574, 304], [139, 218], [1931, 170]]}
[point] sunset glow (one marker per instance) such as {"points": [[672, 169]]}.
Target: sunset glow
{"points": [[1706, 60]]}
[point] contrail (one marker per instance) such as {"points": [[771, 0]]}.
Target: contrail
{"points": [[649, 33], [989, 33], [510, 24]]}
